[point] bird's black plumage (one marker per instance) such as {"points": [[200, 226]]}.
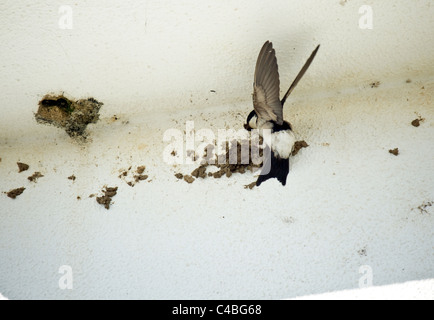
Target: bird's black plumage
{"points": [[276, 166]]}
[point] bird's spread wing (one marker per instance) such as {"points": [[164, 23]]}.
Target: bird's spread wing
{"points": [[300, 75], [266, 86]]}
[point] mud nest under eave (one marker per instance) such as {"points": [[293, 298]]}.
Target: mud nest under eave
{"points": [[72, 116], [227, 164], [232, 160]]}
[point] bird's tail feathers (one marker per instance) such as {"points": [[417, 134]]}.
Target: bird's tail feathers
{"points": [[274, 167]]}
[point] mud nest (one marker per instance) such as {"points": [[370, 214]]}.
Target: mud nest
{"points": [[238, 157], [232, 160], [298, 146], [72, 116]]}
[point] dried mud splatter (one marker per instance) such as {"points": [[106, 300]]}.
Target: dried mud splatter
{"points": [[22, 167], [15, 192], [133, 177], [35, 177], [106, 198]]}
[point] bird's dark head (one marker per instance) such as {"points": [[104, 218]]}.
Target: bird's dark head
{"points": [[251, 121]]}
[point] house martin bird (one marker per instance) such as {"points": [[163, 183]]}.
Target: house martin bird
{"points": [[268, 113]]}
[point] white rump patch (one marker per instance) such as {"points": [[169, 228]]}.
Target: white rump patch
{"points": [[282, 143]]}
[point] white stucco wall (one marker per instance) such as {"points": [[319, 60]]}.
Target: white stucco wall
{"points": [[348, 202]]}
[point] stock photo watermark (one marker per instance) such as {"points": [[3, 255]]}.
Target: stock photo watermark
{"points": [[66, 280], [366, 280], [66, 17], [366, 21], [181, 142]]}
